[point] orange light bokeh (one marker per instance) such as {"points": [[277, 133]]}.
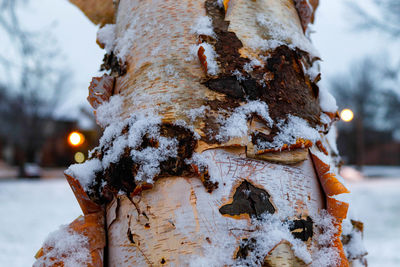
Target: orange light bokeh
{"points": [[76, 139]]}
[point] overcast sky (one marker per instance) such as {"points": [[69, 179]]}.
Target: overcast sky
{"points": [[339, 44]]}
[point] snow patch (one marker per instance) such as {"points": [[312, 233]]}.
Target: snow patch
{"points": [[85, 172], [256, 43], [355, 247], [331, 137], [211, 56], [67, 246], [270, 232], [106, 36], [194, 113], [150, 158], [276, 33], [313, 71], [124, 43], [220, 3], [203, 26], [110, 112], [290, 131], [236, 124], [145, 123], [325, 254], [115, 151], [327, 101]]}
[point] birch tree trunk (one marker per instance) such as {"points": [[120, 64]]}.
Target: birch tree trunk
{"points": [[217, 147]]}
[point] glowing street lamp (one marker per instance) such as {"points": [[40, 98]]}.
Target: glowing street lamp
{"points": [[76, 139], [347, 115]]}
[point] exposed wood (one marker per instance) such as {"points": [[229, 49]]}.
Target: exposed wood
{"points": [[281, 256]]}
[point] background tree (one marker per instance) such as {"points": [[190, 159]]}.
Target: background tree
{"points": [[385, 16], [32, 84], [368, 88]]}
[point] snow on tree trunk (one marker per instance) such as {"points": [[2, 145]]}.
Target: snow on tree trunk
{"points": [[217, 149]]}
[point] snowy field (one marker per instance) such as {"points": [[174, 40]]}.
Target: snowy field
{"points": [[32, 209], [29, 211]]}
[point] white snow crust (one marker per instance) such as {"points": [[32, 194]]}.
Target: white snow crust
{"points": [[106, 36], [211, 56], [239, 75], [331, 137], [326, 100], [355, 248], [277, 34], [313, 71], [236, 124], [142, 123], [291, 130], [67, 246], [109, 112], [203, 26], [85, 172]]}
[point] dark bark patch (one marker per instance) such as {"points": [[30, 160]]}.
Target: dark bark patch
{"points": [[287, 90], [302, 229], [228, 85], [113, 64], [250, 200], [245, 247], [208, 184], [120, 176], [281, 83]]}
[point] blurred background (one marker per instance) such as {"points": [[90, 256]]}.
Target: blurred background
{"points": [[48, 55]]}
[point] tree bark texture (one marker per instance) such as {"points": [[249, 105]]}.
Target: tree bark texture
{"points": [[244, 172]]}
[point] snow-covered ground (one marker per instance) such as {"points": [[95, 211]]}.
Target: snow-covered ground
{"points": [[31, 209], [376, 202]]}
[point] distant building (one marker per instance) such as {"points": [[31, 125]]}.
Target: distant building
{"points": [[379, 148], [54, 149]]}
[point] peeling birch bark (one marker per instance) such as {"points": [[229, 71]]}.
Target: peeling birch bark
{"points": [[177, 218], [215, 148]]}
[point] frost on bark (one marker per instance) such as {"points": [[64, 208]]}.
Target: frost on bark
{"points": [[218, 145]]}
